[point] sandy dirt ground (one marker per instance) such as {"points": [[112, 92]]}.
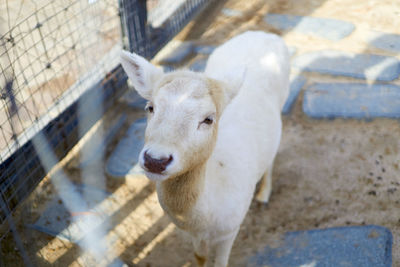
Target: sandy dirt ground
{"points": [[327, 173]]}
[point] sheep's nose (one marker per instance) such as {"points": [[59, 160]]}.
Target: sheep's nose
{"points": [[156, 165]]}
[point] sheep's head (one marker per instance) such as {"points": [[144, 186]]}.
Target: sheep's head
{"points": [[183, 112]]}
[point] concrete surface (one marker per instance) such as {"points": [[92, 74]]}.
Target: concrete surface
{"points": [[366, 246]]}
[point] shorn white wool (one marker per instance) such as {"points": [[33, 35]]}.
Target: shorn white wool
{"points": [[212, 136]]}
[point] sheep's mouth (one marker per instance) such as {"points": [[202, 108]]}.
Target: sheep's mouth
{"points": [[156, 177]]}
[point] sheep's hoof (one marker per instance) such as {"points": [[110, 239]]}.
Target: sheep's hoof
{"points": [[263, 196], [201, 261], [261, 205]]}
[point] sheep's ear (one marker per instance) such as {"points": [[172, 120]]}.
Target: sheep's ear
{"points": [[142, 73], [228, 85], [222, 93]]}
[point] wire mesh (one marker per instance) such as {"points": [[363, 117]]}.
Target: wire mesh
{"points": [[59, 64], [47, 47], [147, 30], [51, 54]]}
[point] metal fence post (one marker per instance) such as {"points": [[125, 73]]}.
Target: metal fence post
{"points": [[134, 26]]}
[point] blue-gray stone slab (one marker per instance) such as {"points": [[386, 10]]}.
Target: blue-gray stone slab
{"points": [[57, 220], [199, 65], [338, 63], [204, 49], [295, 87], [179, 54], [231, 12], [134, 100], [331, 29], [124, 159], [367, 246], [96, 151], [352, 100], [167, 68], [384, 41]]}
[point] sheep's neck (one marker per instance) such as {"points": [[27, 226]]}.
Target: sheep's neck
{"points": [[178, 195]]}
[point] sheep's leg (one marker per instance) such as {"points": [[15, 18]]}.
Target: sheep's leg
{"points": [[223, 250], [265, 186], [200, 251]]}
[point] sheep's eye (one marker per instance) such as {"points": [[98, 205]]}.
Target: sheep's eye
{"points": [[208, 121], [149, 108]]}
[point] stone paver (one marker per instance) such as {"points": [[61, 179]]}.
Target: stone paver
{"points": [[338, 63], [204, 49], [167, 68], [231, 12], [331, 29], [57, 221], [295, 87], [180, 53], [352, 100], [384, 41], [367, 246], [199, 65], [124, 159], [133, 99], [96, 153]]}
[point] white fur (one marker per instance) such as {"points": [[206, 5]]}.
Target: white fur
{"points": [[255, 68], [250, 127]]}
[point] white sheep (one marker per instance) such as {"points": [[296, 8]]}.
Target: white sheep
{"points": [[212, 136]]}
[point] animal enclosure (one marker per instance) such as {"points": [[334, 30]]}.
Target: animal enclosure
{"points": [[327, 173], [60, 72], [51, 54]]}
